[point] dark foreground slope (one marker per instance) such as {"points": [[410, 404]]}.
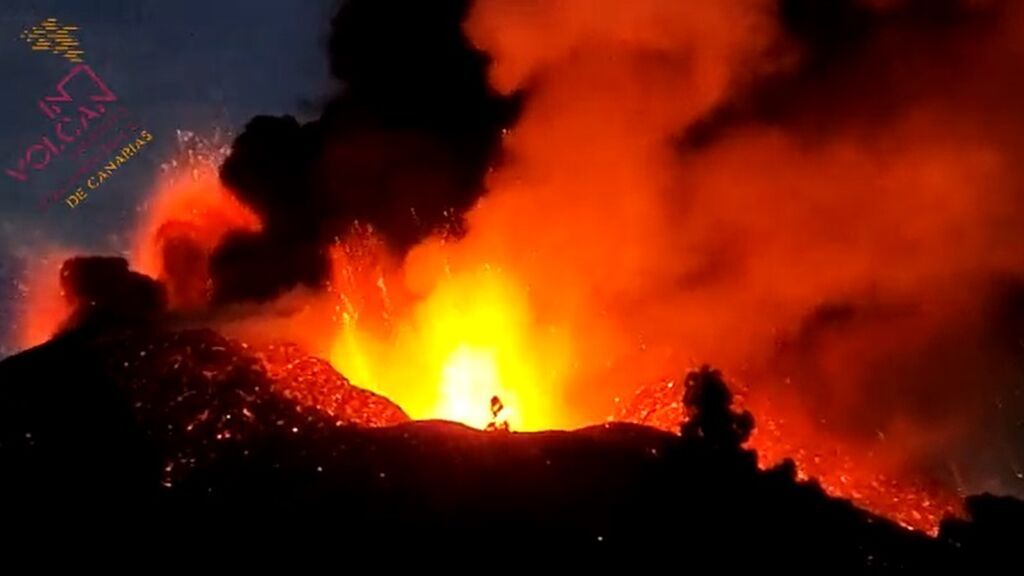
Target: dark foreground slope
{"points": [[177, 458]]}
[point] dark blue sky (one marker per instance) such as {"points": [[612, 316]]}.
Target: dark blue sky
{"points": [[189, 64]]}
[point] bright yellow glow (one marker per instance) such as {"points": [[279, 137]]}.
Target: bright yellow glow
{"points": [[470, 339], [469, 379]]}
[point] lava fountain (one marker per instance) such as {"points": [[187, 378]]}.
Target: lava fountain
{"points": [[444, 355]]}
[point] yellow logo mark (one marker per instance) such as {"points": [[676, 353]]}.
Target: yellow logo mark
{"points": [[51, 36]]}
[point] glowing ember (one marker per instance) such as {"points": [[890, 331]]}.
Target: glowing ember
{"points": [[205, 364], [840, 471], [312, 382]]}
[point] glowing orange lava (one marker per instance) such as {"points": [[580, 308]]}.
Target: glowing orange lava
{"points": [[469, 337]]}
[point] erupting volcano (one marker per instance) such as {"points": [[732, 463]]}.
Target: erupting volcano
{"points": [[541, 217]]}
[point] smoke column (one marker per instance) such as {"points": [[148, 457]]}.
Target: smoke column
{"points": [[823, 197], [819, 197]]}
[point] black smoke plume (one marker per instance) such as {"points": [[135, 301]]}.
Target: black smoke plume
{"points": [[403, 147]]}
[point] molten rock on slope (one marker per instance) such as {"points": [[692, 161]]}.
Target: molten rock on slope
{"points": [[193, 389], [196, 361], [310, 381], [842, 472]]}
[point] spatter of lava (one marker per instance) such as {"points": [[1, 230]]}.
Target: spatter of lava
{"points": [[913, 504], [310, 381], [203, 397]]}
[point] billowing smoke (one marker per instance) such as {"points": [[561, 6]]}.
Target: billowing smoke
{"points": [[403, 147], [820, 197], [104, 294]]}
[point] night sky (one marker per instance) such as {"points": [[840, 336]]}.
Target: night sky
{"points": [[186, 64]]}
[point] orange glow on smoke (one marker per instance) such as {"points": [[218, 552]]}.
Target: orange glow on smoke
{"points": [[44, 308], [185, 220], [440, 339], [471, 336], [604, 254]]}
